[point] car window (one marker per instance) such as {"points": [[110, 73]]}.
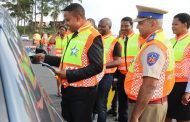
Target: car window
{"points": [[23, 96], [3, 109], [17, 64], [16, 95], [33, 87]]}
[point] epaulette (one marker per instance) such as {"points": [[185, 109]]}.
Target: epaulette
{"points": [[151, 37]]}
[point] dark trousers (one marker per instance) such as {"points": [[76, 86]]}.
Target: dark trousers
{"points": [[122, 99], [77, 103], [115, 98], [103, 90], [114, 102]]}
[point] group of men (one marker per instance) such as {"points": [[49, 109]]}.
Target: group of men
{"points": [[146, 66]]}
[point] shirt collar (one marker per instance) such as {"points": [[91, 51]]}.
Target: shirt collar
{"points": [[86, 25], [129, 35], [107, 35], [152, 35], [182, 36]]}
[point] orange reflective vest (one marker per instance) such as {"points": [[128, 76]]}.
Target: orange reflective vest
{"points": [[181, 47], [109, 42], [131, 51], [133, 80], [76, 55]]}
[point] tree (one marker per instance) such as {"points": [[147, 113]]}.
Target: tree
{"points": [[43, 8], [57, 6], [56, 9], [21, 10]]}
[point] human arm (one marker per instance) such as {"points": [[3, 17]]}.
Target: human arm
{"points": [[116, 56], [145, 94], [152, 60], [95, 56], [52, 39], [186, 96], [51, 60]]}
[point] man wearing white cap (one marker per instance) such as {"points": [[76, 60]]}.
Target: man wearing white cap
{"points": [[150, 77]]}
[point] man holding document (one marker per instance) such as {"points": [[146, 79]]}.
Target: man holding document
{"points": [[80, 67]]}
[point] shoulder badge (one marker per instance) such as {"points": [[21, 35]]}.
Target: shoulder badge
{"points": [[152, 58]]}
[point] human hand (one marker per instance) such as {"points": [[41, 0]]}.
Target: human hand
{"points": [[60, 73], [185, 98], [134, 119], [39, 57], [114, 85]]}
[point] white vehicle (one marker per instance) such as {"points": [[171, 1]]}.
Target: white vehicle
{"points": [[24, 38]]}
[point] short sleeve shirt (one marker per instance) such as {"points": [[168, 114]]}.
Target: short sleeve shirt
{"points": [[152, 60]]}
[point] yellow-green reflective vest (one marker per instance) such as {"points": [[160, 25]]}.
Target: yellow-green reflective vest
{"points": [[75, 56], [59, 45], [109, 42], [132, 50], [182, 58]]}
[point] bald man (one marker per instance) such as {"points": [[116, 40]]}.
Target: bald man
{"points": [[112, 55]]}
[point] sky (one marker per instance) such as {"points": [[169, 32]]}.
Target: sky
{"points": [[117, 9]]}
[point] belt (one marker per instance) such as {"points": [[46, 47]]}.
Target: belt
{"points": [[158, 101]]}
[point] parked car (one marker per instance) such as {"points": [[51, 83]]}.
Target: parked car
{"points": [[24, 37], [22, 99]]}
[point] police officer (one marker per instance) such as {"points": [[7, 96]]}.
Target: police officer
{"points": [[150, 78]]}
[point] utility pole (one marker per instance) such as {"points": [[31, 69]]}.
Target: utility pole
{"points": [[42, 11], [35, 15]]}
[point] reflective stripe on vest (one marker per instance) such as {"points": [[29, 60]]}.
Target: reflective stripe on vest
{"points": [[109, 42], [59, 45], [132, 50], [76, 56], [182, 58], [133, 81]]}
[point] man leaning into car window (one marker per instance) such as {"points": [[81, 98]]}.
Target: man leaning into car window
{"points": [[81, 66]]}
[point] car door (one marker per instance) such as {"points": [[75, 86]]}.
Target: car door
{"points": [[24, 99]]}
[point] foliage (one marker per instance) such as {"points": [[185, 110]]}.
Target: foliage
{"points": [[23, 10], [57, 7], [29, 30]]}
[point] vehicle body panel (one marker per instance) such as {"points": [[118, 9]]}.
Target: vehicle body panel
{"points": [[25, 100]]}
